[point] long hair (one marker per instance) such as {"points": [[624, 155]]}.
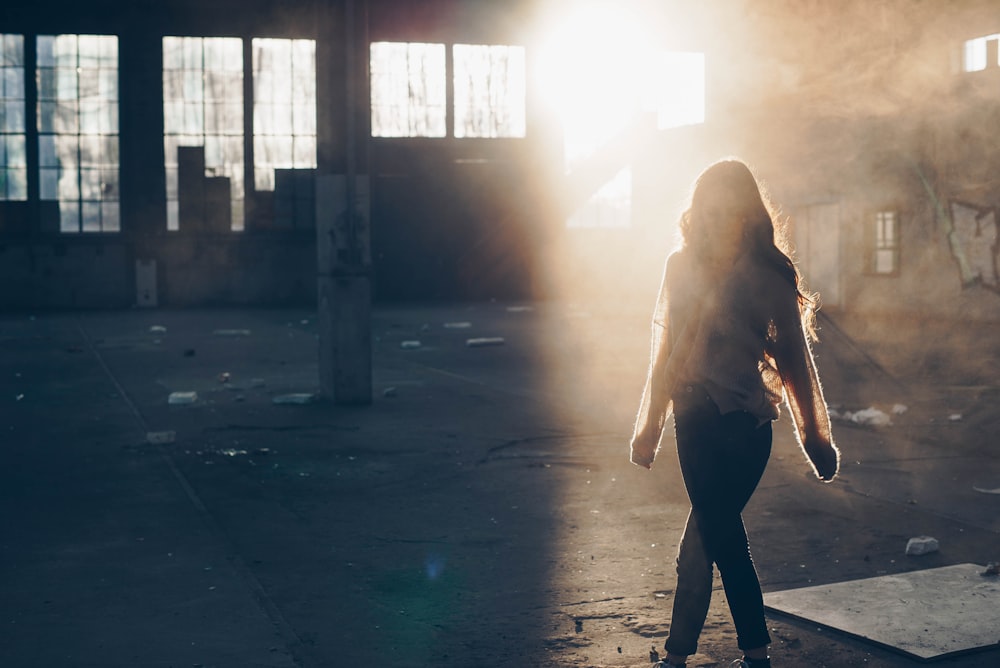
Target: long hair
{"points": [[729, 206]]}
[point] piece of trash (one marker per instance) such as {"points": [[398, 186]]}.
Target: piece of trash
{"points": [[519, 309], [992, 568], [409, 345], [294, 398], [303, 322], [457, 325], [985, 490], [899, 409], [19, 397], [224, 377], [157, 329], [389, 392], [921, 545], [180, 398], [871, 416], [955, 417], [160, 437], [231, 332], [232, 452], [262, 451], [484, 341]]}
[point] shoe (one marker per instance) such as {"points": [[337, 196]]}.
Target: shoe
{"points": [[663, 663]]}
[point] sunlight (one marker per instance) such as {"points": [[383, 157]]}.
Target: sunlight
{"points": [[600, 66]]}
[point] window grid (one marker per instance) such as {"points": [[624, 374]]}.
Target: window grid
{"points": [[886, 255], [489, 90], [77, 78], [203, 107], [284, 107], [408, 91], [13, 162]]}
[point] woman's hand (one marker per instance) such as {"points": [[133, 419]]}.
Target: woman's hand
{"points": [[643, 451], [825, 459]]}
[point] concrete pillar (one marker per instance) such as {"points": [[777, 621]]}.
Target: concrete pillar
{"points": [[342, 204], [344, 289]]}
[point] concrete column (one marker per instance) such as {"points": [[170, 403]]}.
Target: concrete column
{"points": [[344, 289]]}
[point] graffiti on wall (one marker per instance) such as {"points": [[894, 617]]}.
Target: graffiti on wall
{"points": [[973, 241]]}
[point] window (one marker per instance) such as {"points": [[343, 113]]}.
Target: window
{"points": [[13, 164], [284, 107], [489, 91], [885, 259], [203, 107], [78, 130], [408, 89], [976, 54]]}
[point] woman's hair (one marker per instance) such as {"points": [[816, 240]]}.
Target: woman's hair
{"points": [[728, 206]]}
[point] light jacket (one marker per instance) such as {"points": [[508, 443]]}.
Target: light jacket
{"points": [[740, 336]]}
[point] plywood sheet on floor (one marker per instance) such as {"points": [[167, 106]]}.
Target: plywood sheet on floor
{"points": [[927, 614]]}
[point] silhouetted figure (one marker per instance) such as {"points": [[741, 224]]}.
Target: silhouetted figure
{"points": [[730, 340]]}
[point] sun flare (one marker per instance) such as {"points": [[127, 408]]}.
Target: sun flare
{"points": [[602, 64]]}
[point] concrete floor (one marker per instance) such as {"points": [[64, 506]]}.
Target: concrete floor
{"points": [[482, 512]]}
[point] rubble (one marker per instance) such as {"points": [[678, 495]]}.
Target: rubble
{"points": [[921, 545], [182, 398]]}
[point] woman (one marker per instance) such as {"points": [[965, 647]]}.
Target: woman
{"points": [[731, 337]]}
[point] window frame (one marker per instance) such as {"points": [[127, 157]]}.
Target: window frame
{"points": [[881, 244]]}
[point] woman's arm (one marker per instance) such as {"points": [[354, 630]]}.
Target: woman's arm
{"points": [[655, 406], [803, 392]]}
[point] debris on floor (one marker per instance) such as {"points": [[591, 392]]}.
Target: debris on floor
{"points": [[409, 345], [921, 545], [298, 398], [986, 490], [157, 329], [457, 325], [182, 398], [484, 341], [161, 437], [872, 417]]}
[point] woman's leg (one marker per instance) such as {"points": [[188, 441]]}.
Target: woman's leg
{"points": [[692, 596], [723, 458]]}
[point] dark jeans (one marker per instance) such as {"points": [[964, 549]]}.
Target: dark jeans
{"points": [[722, 458]]}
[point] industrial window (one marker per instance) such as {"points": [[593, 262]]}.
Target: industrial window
{"points": [[13, 164], [203, 107], [408, 91], [489, 91], [976, 55], [78, 130], [885, 256], [284, 107]]}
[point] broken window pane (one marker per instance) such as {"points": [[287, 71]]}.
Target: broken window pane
{"points": [[203, 106], [284, 108], [407, 89], [489, 91], [13, 172], [77, 79]]}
